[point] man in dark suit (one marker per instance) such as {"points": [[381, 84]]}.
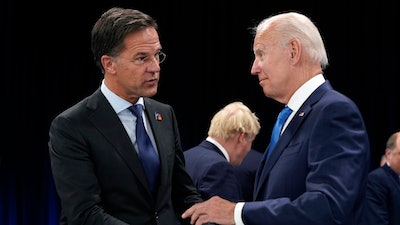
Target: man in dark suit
{"points": [[211, 164], [317, 172], [383, 187], [93, 149]]}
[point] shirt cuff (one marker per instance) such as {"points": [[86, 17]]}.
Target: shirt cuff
{"points": [[238, 213]]}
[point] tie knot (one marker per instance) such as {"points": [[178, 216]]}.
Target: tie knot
{"points": [[284, 114], [136, 110], [276, 131]]}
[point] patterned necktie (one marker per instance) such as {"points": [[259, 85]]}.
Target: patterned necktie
{"points": [[147, 153], [276, 131]]}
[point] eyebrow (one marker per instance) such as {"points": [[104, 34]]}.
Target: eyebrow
{"points": [[147, 52]]}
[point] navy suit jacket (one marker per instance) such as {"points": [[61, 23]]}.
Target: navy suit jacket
{"points": [[246, 173], [383, 197], [318, 170], [211, 172], [98, 174]]}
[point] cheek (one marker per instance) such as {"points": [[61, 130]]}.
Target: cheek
{"points": [[132, 72]]}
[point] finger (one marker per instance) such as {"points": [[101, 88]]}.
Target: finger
{"points": [[188, 213], [202, 220], [194, 217]]}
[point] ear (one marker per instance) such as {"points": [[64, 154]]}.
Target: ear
{"points": [[387, 153], [242, 137], [108, 64], [295, 50]]}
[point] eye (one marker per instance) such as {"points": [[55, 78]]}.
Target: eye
{"points": [[261, 54], [144, 58], [141, 59]]}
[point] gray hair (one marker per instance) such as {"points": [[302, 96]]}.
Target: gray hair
{"points": [[292, 25]]}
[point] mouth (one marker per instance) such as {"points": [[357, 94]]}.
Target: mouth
{"points": [[152, 82], [262, 79]]}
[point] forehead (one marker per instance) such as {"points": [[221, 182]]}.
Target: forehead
{"points": [[262, 45], [396, 145], [264, 39], [143, 40]]}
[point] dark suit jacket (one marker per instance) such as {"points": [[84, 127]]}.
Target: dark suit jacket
{"points": [[98, 174], [383, 197], [211, 172], [318, 170], [246, 173]]}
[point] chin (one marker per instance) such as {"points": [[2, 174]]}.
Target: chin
{"points": [[151, 93]]}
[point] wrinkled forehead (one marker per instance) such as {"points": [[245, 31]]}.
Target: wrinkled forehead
{"points": [[264, 40]]}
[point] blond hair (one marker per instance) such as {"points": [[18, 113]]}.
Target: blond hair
{"points": [[233, 119]]}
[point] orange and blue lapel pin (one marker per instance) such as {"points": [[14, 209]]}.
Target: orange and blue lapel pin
{"points": [[158, 116]]}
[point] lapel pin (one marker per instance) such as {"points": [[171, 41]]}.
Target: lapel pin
{"points": [[158, 116], [301, 114]]}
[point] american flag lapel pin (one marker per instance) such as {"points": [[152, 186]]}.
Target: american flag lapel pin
{"points": [[158, 116]]}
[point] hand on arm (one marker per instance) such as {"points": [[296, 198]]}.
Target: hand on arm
{"points": [[216, 210]]}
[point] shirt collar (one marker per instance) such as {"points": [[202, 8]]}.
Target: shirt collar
{"points": [[222, 149], [301, 95], [117, 103]]}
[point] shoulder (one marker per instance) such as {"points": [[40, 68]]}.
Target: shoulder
{"points": [[87, 104], [75, 112], [149, 102], [376, 172], [155, 106], [378, 175], [200, 153]]}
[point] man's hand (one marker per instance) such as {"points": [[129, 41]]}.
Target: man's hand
{"points": [[215, 210]]}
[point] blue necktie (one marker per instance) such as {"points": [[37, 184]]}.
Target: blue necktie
{"points": [[147, 153], [276, 131]]}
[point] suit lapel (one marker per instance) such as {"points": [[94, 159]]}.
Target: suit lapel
{"points": [[283, 141], [287, 135], [107, 122]]}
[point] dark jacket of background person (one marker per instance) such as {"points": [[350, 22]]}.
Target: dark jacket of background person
{"points": [[383, 187], [211, 163], [383, 197], [246, 173], [212, 173]]}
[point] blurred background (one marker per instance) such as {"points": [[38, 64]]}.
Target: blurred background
{"points": [[47, 66]]}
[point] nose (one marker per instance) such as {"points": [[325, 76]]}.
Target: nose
{"points": [[153, 64], [254, 68], [154, 60]]}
